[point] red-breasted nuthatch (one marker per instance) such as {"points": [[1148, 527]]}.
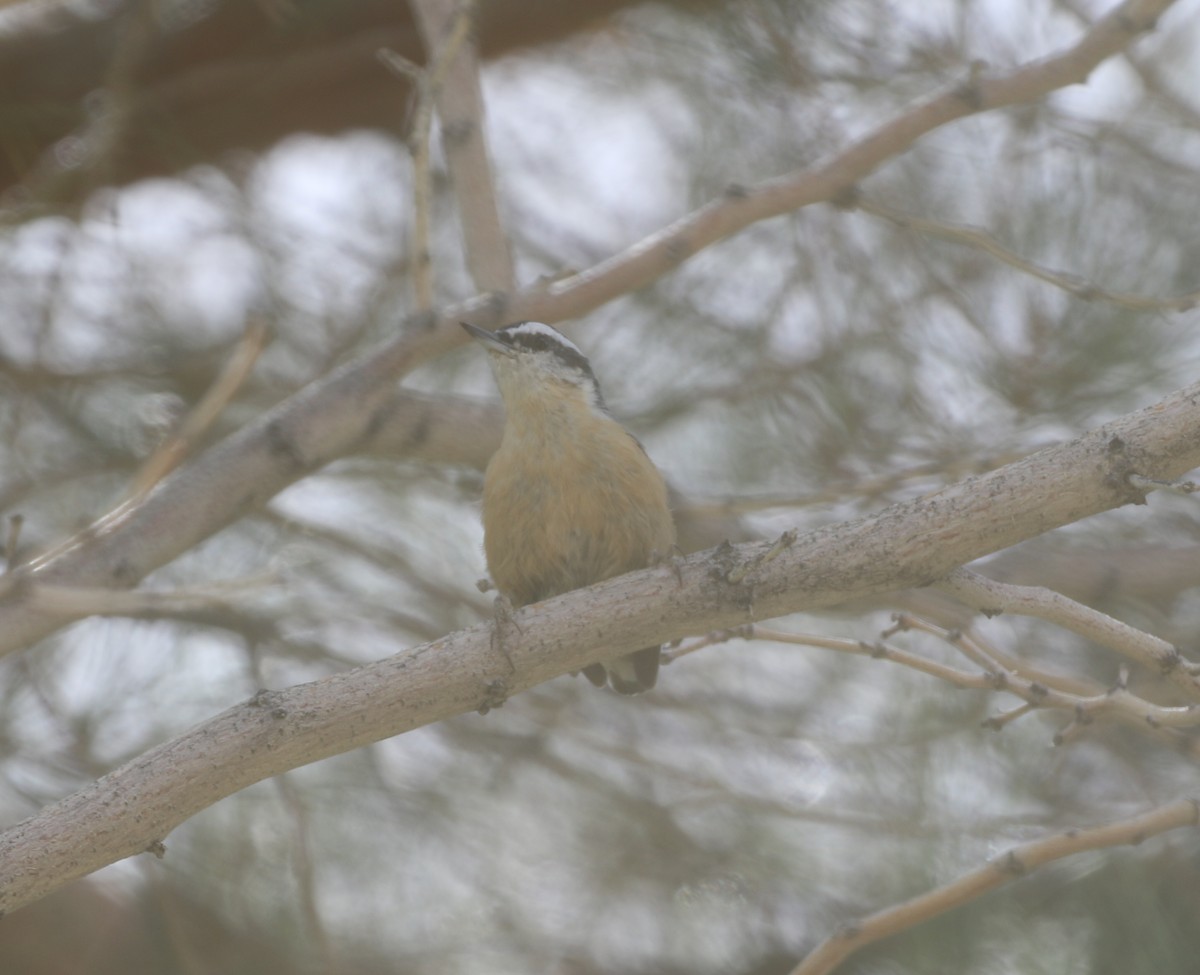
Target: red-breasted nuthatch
{"points": [[570, 497]]}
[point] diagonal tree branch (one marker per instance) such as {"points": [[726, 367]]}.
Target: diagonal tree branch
{"points": [[1002, 870], [1151, 652], [909, 544], [341, 413], [987, 242]]}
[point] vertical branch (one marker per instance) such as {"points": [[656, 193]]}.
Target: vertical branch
{"points": [[460, 108], [426, 83]]}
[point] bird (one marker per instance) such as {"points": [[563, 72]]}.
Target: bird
{"points": [[570, 497]]}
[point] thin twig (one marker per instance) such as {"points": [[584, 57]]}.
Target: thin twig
{"points": [[1119, 703], [984, 240], [73, 602], [685, 647], [976, 647], [12, 541], [427, 84], [877, 650], [1083, 698], [990, 596], [231, 378], [1149, 484], [1001, 870], [461, 112]]}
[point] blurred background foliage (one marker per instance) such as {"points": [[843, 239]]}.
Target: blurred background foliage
{"points": [[815, 367]]}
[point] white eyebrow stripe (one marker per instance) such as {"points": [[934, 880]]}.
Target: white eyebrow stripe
{"points": [[537, 328]]}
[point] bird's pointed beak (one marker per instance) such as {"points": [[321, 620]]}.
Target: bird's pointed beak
{"points": [[486, 339]]}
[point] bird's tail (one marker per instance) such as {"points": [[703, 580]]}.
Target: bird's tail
{"points": [[631, 674]]}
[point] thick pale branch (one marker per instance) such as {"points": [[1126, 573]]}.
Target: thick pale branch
{"points": [[238, 475], [441, 429], [908, 544], [342, 412]]}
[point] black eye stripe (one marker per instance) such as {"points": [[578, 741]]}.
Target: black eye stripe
{"points": [[538, 342]]}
